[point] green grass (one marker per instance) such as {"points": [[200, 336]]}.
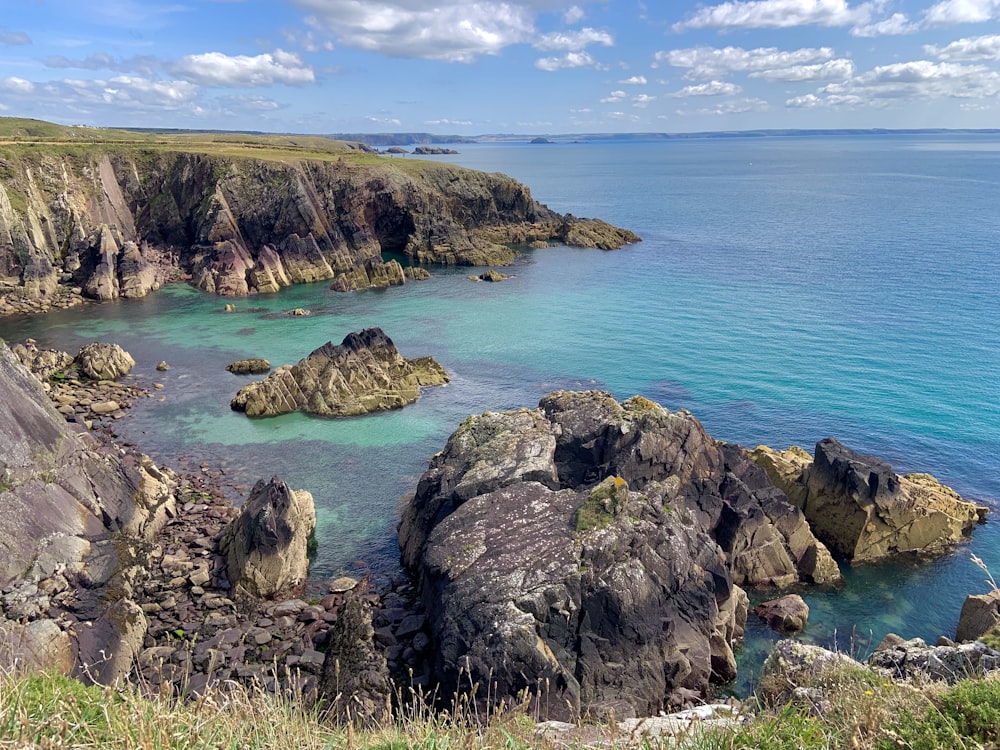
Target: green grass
{"points": [[601, 505]]}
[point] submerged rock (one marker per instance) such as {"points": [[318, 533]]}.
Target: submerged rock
{"points": [[591, 552], [365, 373], [862, 509]]}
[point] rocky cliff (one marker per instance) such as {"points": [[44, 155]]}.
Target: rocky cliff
{"points": [[118, 221]]}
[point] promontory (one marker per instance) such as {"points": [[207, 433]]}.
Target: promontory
{"points": [[106, 214]]}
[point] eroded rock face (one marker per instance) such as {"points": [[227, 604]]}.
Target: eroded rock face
{"points": [[266, 545], [862, 509], [980, 614], [595, 547], [112, 225], [104, 361], [365, 373]]}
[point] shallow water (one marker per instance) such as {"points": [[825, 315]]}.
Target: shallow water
{"points": [[786, 289]]}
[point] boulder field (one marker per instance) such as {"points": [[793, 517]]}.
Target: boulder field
{"points": [[109, 221]]}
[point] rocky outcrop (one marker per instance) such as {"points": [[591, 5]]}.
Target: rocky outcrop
{"points": [[73, 521], [980, 615], [862, 509], [266, 545], [365, 373], [914, 660], [252, 366], [104, 361], [111, 222], [595, 548]]}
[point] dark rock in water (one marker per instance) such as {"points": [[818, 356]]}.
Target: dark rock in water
{"points": [[789, 614], [354, 686], [365, 373], [266, 545], [252, 366], [862, 509], [586, 551]]}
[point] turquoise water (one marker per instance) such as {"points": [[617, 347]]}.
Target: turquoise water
{"points": [[787, 289]]}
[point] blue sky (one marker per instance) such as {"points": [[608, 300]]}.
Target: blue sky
{"points": [[520, 66]]}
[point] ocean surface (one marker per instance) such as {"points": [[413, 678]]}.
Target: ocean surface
{"points": [[786, 289]]}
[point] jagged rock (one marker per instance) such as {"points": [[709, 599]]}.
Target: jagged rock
{"points": [[980, 614], [863, 510], [103, 361], [563, 543], [365, 373], [266, 545], [794, 670], [416, 273], [354, 686], [36, 646], [253, 366], [789, 614], [114, 224], [42, 363], [491, 275], [915, 660]]}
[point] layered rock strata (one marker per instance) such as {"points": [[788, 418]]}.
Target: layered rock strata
{"points": [[107, 223], [590, 552], [365, 373], [862, 509]]}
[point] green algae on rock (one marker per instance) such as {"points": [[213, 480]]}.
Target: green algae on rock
{"points": [[365, 373]]}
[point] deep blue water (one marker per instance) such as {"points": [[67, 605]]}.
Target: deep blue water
{"points": [[786, 289]]}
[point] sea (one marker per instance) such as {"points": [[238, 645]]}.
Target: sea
{"points": [[786, 289]]}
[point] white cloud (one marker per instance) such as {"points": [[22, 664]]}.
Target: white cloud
{"points": [[642, 100], [614, 96], [574, 15], [951, 12], [462, 123], [634, 81], [574, 40], [832, 70], [249, 103], [974, 48], [810, 101], [131, 93], [450, 30], [712, 88], [16, 85], [218, 69], [779, 14], [569, 60], [308, 41], [895, 25], [918, 79], [706, 63]]}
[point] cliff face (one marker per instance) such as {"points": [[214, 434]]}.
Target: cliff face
{"points": [[118, 222]]}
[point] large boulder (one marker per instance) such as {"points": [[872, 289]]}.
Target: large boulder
{"points": [[862, 509], [267, 545], [595, 549], [365, 373], [104, 361], [980, 614], [787, 614]]}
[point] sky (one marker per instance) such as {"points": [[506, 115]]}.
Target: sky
{"points": [[489, 67]]}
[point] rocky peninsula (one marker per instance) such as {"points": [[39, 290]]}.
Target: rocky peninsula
{"points": [[82, 217]]}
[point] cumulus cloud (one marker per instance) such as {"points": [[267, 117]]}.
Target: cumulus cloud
{"points": [[634, 81], [569, 60], [124, 92], [895, 25], [642, 100], [832, 70], [918, 79], [13, 38], [706, 63], [574, 40], [218, 69], [712, 88], [16, 85], [249, 104], [778, 14], [614, 96], [950, 12], [462, 123], [974, 48], [574, 15], [450, 30]]}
